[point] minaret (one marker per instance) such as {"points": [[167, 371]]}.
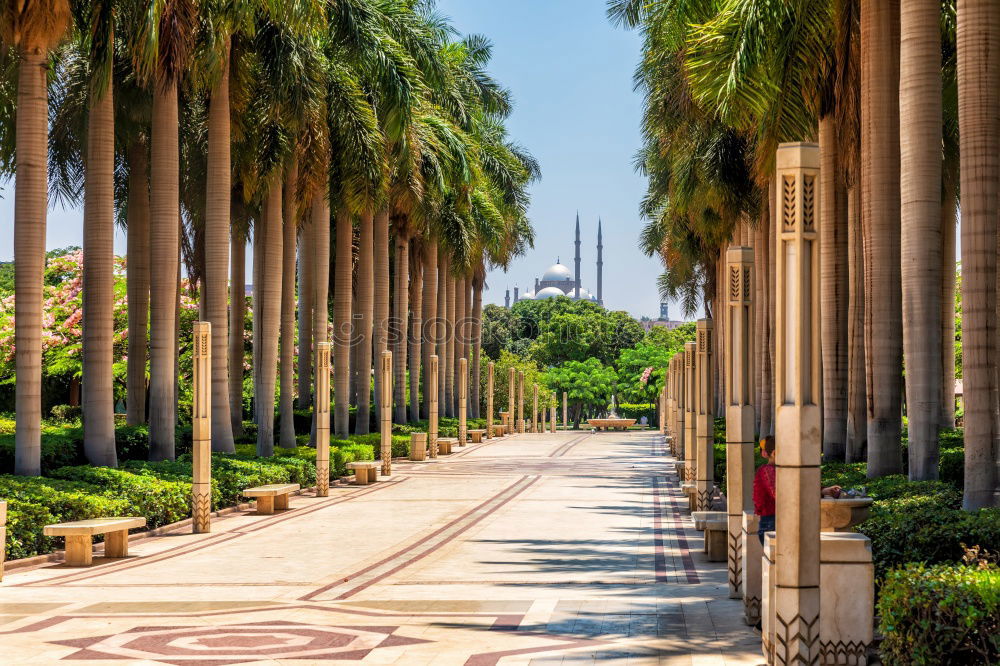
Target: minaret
{"points": [[576, 261], [536, 285], [506, 299], [600, 265], [515, 294]]}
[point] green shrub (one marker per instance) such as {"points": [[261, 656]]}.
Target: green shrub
{"points": [[940, 615], [159, 500], [66, 413], [346, 452], [132, 442], [61, 446]]}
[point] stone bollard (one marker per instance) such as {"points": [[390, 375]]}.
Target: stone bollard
{"points": [[432, 420], [201, 429], [463, 400], [489, 400], [751, 574], [3, 535], [705, 426], [322, 411], [767, 601], [418, 446], [385, 413]]}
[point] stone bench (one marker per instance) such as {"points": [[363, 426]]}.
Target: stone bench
{"points": [[271, 497], [445, 445], [691, 490], [716, 535], [78, 535], [477, 436], [702, 517], [365, 471], [611, 424], [498, 430]]}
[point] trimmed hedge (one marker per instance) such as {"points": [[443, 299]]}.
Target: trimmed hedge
{"points": [[940, 615]]}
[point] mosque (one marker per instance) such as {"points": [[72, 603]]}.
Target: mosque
{"points": [[559, 281]]}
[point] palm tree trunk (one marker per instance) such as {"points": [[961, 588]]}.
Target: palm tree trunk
{"points": [[307, 288], [443, 331], [920, 109], [833, 304], [286, 398], [164, 257], [401, 305], [414, 340], [857, 388], [217, 224], [267, 314], [948, 209], [429, 326], [478, 281], [366, 310], [342, 335], [382, 287], [880, 220], [237, 324], [99, 282], [137, 281], [449, 382], [978, 88]]}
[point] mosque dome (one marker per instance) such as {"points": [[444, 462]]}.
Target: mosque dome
{"points": [[584, 294], [557, 273], [527, 296], [549, 292]]}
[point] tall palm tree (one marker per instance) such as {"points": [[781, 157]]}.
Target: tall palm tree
{"points": [[366, 310], [32, 29], [98, 236], [415, 332], [268, 260], [430, 317], [286, 403], [978, 89], [380, 321], [237, 323], [306, 293], [342, 323], [138, 279], [920, 110], [880, 220], [401, 309]]}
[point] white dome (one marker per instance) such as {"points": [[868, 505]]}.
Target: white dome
{"points": [[527, 296], [584, 294], [557, 273], [549, 292]]}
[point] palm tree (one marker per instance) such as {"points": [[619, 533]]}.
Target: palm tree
{"points": [[920, 110], [978, 87], [342, 323], [268, 261], [286, 403], [415, 332], [429, 315], [306, 293], [167, 43], [366, 310], [32, 29], [237, 323], [218, 197], [138, 279], [401, 305], [880, 221]]}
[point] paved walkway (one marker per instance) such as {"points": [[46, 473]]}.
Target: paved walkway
{"points": [[534, 549]]}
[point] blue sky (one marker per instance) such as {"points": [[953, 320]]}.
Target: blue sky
{"points": [[570, 72]]}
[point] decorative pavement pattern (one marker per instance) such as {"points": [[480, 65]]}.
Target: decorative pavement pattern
{"points": [[566, 548]]}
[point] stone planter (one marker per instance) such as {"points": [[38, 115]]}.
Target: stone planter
{"points": [[841, 515]]}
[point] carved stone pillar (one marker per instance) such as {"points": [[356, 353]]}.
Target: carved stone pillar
{"points": [[511, 396], [201, 429], [432, 418], [489, 399], [463, 400], [322, 419], [798, 392], [680, 405], [690, 415], [738, 359], [534, 408], [552, 415], [705, 422], [520, 402], [385, 413], [565, 410]]}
